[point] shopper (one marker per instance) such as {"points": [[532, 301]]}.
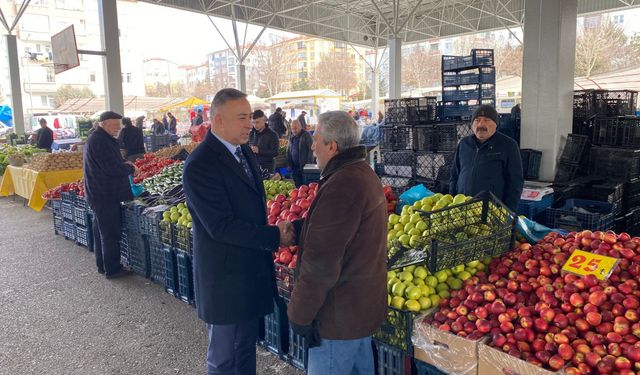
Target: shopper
{"points": [[232, 243], [173, 123], [276, 122], [44, 136], [371, 133], [140, 122], [197, 120], [131, 140], [263, 141], [488, 160], [106, 180], [157, 128], [299, 152], [339, 298], [303, 120]]}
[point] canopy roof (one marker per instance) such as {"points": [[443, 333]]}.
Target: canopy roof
{"points": [[370, 23], [320, 93], [131, 104], [189, 102]]}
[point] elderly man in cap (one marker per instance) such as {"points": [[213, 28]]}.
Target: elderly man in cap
{"points": [[303, 120], [106, 179], [488, 160]]}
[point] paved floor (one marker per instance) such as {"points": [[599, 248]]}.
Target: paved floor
{"points": [[59, 316]]}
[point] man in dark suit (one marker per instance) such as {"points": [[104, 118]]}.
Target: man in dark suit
{"points": [[232, 261]]}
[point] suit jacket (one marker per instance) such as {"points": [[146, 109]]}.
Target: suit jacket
{"points": [[305, 153], [234, 277]]}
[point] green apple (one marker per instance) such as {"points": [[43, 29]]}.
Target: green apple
{"points": [[432, 281], [412, 305], [421, 272], [426, 290], [398, 288], [397, 302], [435, 299], [406, 276], [425, 303], [413, 292]]}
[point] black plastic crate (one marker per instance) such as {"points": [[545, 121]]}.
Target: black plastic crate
{"points": [[124, 247], [396, 138], [183, 238], [167, 235], [436, 138], [433, 166], [398, 164], [276, 332], [68, 196], [566, 172], [409, 111], [480, 227], [396, 330], [632, 187], [531, 209], [630, 202], [56, 206], [84, 236], [69, 230], [423, 368], [455, 111], [138, 257], [150, 224], [478, 57], [531, 163], [391, 361], [463, 129], [573, 148], [580, 214], [80, 216], [298, 354], [398, 184], [615, 163], [486, 74], [185, 276], [633, 222], [616, 131], [58, 225], [156, 261], [67, 210], [80, 202], [131, 216], [589, 103], [170, 271], [285, 280], [457, 93]]}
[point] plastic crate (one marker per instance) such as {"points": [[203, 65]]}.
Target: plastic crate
{"points": [[396, 330], [150, 224], [478, 57], [67, 210], [68, 196], [436, 138], [138, 258], [80, 216], [602, 190], [480, 227], [183, 238], [156, 261], [84, 236], [580, 214], [396, 138], [531, 163], [482, 91], [80, 202], [463, 130], [131, 216], [433, 166], [391, 361], [69, 230], [58, 224], [285, 279], [185, 276], [566, 172], [399, 163], [616, 131], [56, 206], [531, 209], [632, 221], [124, 248], [170, 271], [276, 332], [573, 148], [409, 111], [298, 354], [480, 75], [167, 235], [462, 110], [589, 103], [423, 368], [614, 163]]}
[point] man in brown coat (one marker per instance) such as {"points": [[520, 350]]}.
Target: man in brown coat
{"points": [[339, 298]]}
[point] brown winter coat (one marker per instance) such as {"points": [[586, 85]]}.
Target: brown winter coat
{"points": [[341, 275]]}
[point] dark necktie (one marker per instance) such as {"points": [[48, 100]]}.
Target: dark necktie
{"points": [[244, 163]]}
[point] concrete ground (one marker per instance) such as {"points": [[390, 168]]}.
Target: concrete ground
{"points": [[59, 316]]}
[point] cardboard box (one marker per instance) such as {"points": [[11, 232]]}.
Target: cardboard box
{"points": [[493, 361], [450, 353]]}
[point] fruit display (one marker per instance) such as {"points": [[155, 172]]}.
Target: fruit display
{"points": [[55, 193], [167, 179], [178, 214], [55, 162], [415, 289], [23, 151], [273, 188], [168, 152], [392, 200], [295, 207], [149, 166], [287, 256]]}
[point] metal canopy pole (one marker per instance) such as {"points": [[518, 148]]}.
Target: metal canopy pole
{"points": [[109, 33]]}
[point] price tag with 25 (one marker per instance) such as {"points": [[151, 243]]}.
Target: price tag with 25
{"points": [[584, 263]]}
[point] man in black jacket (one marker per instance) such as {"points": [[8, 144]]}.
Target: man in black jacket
{"points": [[264, 142], [488, 160], [233, 272], [131, 140], [106, 181], [173, 123], [276, 122], [299, 152], [44, 136]]}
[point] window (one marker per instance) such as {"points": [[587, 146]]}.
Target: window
{"points": [[45, 100], [591, 22], [619, 19], [92, 77], [301, 45], [302, 55], [50, 76], [128, 77], [434, 47]]}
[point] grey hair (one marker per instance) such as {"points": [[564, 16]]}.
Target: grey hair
{"points": [[224, 96], [338, 126]]}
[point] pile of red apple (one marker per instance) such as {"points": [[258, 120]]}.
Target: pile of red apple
{"points": [[532, 311], [392, 200], [287, 256], [281, 208]]}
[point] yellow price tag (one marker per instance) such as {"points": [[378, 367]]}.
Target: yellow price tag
{"points": [[583, 263]]}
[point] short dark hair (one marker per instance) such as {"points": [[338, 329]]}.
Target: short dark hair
{"points": [[126, 121], [258, 114], [278, 109], [42, 120], [224, 96]]}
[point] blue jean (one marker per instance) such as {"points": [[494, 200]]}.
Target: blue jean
{"points": [[232, 348], [342, 357]]}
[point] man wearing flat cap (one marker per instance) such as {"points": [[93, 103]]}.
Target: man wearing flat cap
{"points": [[106, 180], [488, 160]]}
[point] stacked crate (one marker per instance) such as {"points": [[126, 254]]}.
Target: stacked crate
{"points": [[67, 210], [83, 218]]}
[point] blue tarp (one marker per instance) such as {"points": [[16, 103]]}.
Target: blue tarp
{"points": [[6, 115]]}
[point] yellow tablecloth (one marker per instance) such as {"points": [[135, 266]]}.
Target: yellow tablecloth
{"points": [[31, 184]]}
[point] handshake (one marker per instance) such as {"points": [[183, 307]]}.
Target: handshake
{"points": [[287, 233]]}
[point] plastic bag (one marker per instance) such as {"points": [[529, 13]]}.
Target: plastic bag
{"points": [[135, 189], [534, 232], [413, 195]]}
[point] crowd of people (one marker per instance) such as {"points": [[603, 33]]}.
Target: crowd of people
{"points": [[339, 298]]}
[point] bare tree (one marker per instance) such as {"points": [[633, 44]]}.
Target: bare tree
{"points": [[421, 68], [336, 71], [508, 60], [271, 66], [602, 47], [67, 92]]}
